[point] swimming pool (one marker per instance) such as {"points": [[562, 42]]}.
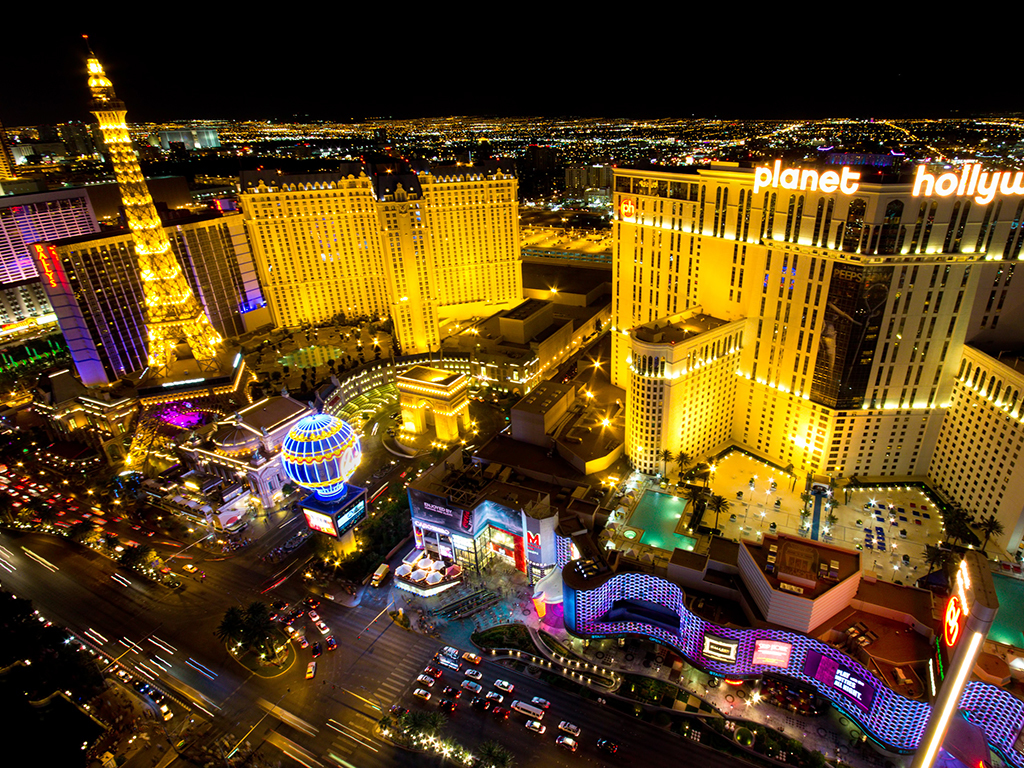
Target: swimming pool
{"points": [[1009, 624], [657, 515]]}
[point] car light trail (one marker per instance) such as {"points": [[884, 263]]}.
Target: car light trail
{"points": [[201, 669], [351, 734], [7, 566], [162, 645], [121, 580], [92, 634], [41, 560], [163, 665]]}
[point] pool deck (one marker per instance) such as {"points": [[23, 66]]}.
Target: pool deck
{"points": [[658, 525]]}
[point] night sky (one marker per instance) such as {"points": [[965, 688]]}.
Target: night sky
{"points": [[334, 66]]}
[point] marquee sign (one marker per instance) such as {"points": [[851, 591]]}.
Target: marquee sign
{"points": [[720, 649], [971, 181]]}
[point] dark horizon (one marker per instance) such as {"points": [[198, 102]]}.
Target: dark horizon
{"points": [[195, 72]]}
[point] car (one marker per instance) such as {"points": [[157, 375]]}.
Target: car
{"points": [[422, 693], [316, 650], [398, 710], [537, 701], [311, 670], [448, 705], [499, 712], [426, 680], [279, 605], [479, 702], [189, 568], [469, 685], [303, 642], [504, 685], [432, 671], [472, 658], [497, 698], [607, 745], [324, 629], [567, 742], [452, 693], [535, 726], [165, 712], [572, 730], [314, 616], [332, 644], [311, 602], [473, 674]]}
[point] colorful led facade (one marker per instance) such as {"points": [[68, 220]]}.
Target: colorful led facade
{"points": [[321, 453], [893, 720], [172, 312]]}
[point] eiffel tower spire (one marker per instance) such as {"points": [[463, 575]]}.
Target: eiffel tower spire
{"points": [[172, 313]]}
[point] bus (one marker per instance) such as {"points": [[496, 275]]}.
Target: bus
{"points": [[528, 709]]}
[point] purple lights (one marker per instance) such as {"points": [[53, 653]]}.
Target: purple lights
{"points": [[895, 721], [180, 415]]}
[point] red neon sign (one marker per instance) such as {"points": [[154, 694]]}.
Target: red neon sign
{"points": [[627, 208], [41, 252], [951, 626]]}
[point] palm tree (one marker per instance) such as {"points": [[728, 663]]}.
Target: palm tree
{"points": [[990, 526], [934, 558], [434, 723], [666, 457], [495, 755], [717, 504], [259, 629], [682, 460], [232, 626]]}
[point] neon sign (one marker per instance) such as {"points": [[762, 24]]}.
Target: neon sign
{"points": [[971, 182], [720, 649], [951, 623], [44, 263], [846, 181], [627, 208], [772, 653]]}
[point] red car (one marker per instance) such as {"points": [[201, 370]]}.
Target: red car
{"points": [[432, 671]]}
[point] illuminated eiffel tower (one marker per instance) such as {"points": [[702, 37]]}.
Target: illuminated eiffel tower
{"points": [[173, 315]]}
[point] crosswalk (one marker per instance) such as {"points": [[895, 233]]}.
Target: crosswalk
{"points": [[355, 731]]}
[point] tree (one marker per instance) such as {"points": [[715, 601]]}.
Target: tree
{"points": [[682, 461], [495, 755], [232, 626], [717, 504], [666, 457], [934, 558], [259, 629], [990, 526]]}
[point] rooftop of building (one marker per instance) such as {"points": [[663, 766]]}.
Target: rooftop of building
{"points": [[424, 374], [812, 567], [522, 311], [1012, 356], [677, 328], [271, 413], [174, 218], [543, 397]]}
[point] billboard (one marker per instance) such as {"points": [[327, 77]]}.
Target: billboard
{"points": [[772, 653], [854, 688], [438, 511], [338, 517], [720, 649]]}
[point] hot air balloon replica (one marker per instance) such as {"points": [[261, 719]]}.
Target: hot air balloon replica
{"points": [[320, 454]]}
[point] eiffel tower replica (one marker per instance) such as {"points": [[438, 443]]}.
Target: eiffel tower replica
{"points": [[172, 313]]}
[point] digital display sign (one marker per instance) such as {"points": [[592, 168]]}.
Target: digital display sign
{"points": [[772, 653], [320, 522], [835, 675], [720, 649]]}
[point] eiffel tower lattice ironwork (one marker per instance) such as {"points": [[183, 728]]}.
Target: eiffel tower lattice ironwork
{"points": [[172, 312]]}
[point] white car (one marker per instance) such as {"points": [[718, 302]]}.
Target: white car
{"points": [[314, 616], [497, 698], [421, 693], [469, 685], [427, 680], [504, 685], [569, 728], [473, 674], [537, 701], [535, 726], [324, 629]]}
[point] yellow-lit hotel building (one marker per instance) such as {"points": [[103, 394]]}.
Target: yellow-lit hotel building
{"points": [[833, 319], [416, 243]]}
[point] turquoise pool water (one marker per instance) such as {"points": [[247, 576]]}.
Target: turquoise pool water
{"points": [[658, 514], [1009, 624]]}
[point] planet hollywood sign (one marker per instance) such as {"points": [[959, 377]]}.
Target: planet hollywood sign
{"points": [[971, 181]]}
